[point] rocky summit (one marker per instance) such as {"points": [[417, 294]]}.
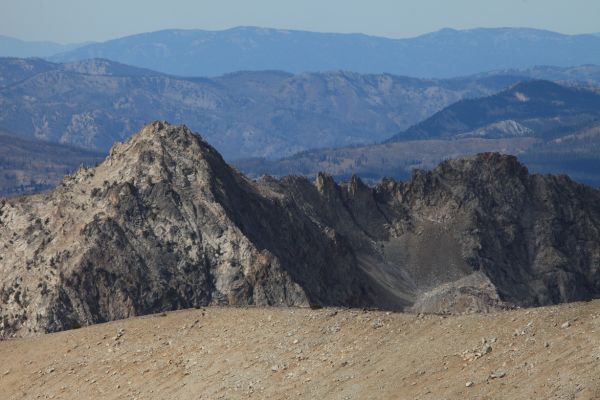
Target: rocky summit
{"points": [[164, 223]]}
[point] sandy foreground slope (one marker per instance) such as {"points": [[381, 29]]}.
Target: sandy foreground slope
{"points": [[279, 353]]}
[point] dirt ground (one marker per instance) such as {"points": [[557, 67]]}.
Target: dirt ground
{"points": [[281, 353]]}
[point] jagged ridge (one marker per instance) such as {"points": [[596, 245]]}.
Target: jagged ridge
{"points": [[164, 223]]}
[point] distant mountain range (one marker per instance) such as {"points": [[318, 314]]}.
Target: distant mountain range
{"points": [[29, 166], [263, 119], [270, 114], [552, 128], [442, 54], [12, 47], [582, 74], [539, 109]]}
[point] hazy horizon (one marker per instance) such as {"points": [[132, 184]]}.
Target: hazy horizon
{"points": [[71, 21], [290, 29]]}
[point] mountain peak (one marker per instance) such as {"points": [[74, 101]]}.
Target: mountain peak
{"points": [[164, 133], [491, 165], [164, 223], [538, 85], [159, 152]]}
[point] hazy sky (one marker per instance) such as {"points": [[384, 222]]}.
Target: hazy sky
{"points": [[83, 20]]}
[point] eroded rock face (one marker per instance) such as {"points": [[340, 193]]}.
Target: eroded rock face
{"points": [[164, 223]]}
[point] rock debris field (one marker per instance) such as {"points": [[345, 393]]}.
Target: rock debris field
{"points": [[281, 353]]}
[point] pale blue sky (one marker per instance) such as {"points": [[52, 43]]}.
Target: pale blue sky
{"points": [[83, 20]]}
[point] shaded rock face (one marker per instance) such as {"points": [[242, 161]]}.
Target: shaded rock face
{"points": [[534, 237], [164, 223]]}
